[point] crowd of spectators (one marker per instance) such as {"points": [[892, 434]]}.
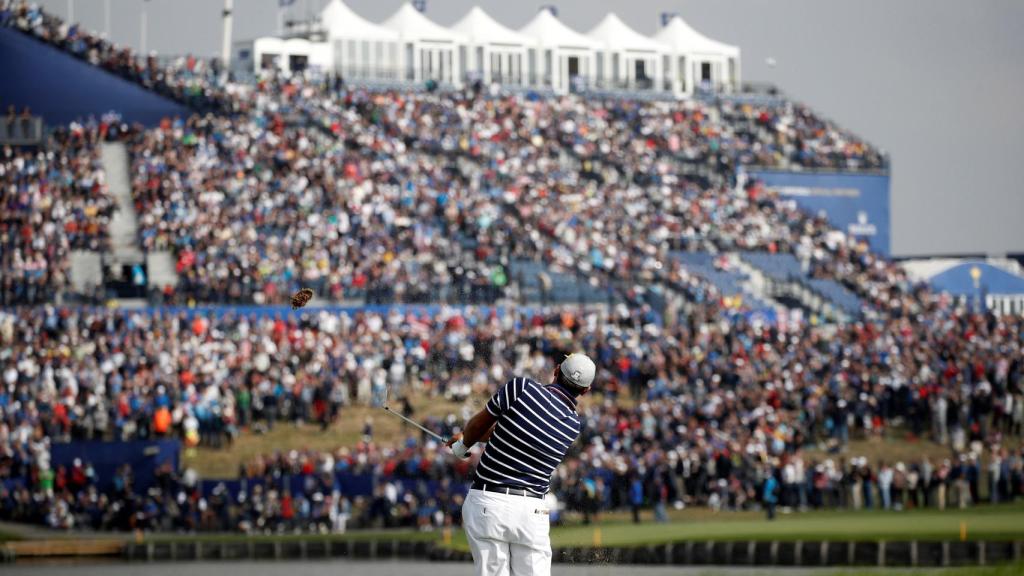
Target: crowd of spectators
{"points": [[784, 135], [697, 411], [101, 374], [192, 81], [419, 485], [426, 197], [412, 192], [337, 176], [52, 200], [256, 210]]}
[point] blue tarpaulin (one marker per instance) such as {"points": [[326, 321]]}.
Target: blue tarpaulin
{"points": [[144, 457]]}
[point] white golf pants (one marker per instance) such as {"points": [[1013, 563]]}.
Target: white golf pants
{"points": [[508, 535]]}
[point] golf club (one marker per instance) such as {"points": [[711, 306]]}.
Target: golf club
{"points": [[433, 434]]}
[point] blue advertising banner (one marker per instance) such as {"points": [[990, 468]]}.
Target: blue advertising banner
{"points": [[142, 456], [857, 204]]}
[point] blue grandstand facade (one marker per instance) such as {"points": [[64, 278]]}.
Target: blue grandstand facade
{"points": [[62, 88]]}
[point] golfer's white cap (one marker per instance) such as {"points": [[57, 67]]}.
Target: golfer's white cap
{"points": [[579, 370]]}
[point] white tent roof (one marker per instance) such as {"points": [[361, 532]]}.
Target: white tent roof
{"points": [[275, 43], [410, 24], [614, 33], [480, 28], [548, 30], [340, 21], [682, 38]]}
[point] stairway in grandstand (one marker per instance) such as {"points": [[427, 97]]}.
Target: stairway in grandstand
{"points": [[86, 271], [124, 227], [762, 281], [755, 283], [539, 284], [722, 272], [785, 278]]}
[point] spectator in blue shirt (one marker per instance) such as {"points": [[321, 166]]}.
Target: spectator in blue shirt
{"points": [[636, 497], [771, 496]]}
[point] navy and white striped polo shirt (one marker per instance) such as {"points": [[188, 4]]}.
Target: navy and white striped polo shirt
{"points": [[536, 425]]}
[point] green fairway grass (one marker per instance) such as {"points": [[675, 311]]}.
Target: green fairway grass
{"points": [[991, 523], [1003, 522], [1004, 570], [982, 523]]}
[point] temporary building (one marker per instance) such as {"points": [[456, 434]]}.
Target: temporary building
{"points": [[360, 48], [495, 53], [543, 54], [428, 51], [627, 59], [992, 283], [973, 277], [286, 54], [698, 61], [563, 58]]}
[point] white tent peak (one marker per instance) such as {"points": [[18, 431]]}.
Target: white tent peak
{"points": [[613, 32], [411, 24], [548, 30], [683, 38], [340, 20], [480, 27]]}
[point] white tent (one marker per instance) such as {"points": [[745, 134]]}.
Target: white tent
{"points": [[697, 59], [285, 54], [495, 52], [429, 51], [562, 56], [545, 53], [361, 48], [627, 59]]}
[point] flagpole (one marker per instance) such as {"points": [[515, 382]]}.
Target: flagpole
{"points": [[142, 33], [225, 49]]}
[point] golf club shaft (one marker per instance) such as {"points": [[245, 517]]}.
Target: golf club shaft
{"points": [[433, 434]]}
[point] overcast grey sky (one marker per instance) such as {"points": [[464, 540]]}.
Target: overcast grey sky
{"points": [[937, 83]]}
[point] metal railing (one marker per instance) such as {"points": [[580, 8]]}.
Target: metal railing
{"points": [[647, 87], [21, 131]]}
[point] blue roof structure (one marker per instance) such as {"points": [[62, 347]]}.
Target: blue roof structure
{"points": [[959, 281]]}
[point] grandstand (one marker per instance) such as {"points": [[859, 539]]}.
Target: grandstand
{"points": [[455, 235]]}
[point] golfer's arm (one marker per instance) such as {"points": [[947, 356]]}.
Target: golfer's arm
{"points": [[478, 429]]}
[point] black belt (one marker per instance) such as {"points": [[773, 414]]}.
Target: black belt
{"points": [[505, 489]]}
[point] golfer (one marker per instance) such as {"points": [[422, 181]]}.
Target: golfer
{"points": [[529, 428]]}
